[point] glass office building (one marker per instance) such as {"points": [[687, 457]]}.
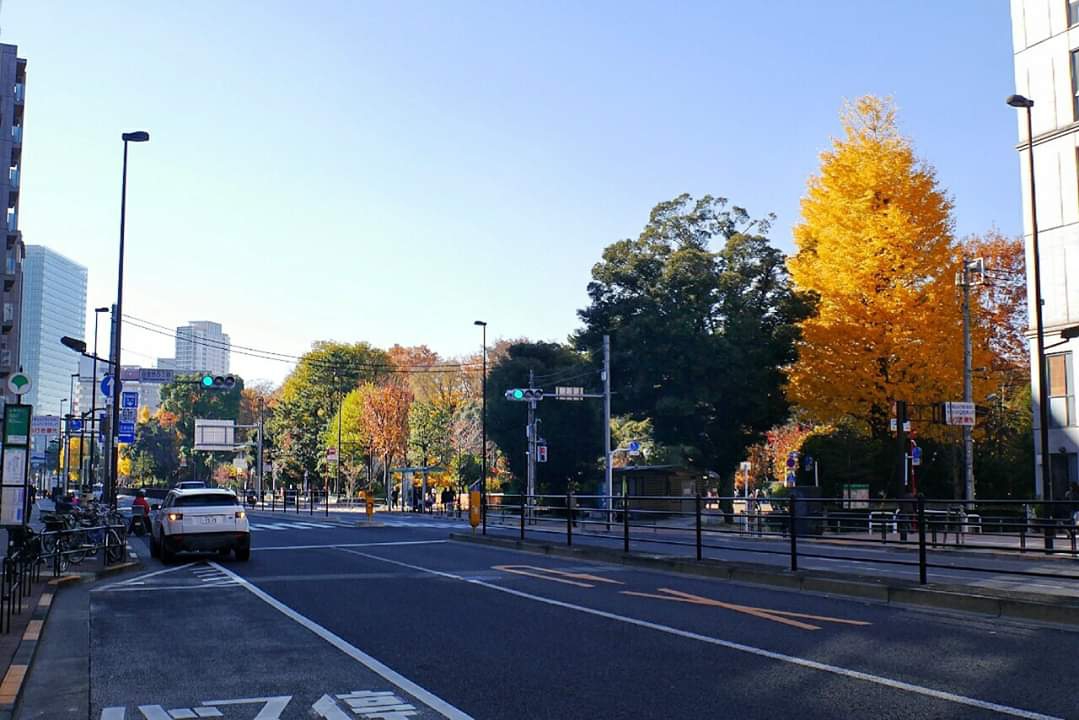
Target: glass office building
{"points": [[54, 305]]}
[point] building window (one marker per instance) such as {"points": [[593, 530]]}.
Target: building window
{"points": [[1061, 390], [1073, 12]]}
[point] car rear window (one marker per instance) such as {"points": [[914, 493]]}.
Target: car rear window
{"points": [[209, 499]]}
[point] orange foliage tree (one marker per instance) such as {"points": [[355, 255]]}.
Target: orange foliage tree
{"points": [[875, 249]]}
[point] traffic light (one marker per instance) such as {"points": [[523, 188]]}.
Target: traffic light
{"points": [[541, 453], [524, 394], [218, 382]]}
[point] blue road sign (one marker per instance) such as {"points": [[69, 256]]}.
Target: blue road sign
{"points": [[129, 400], [106, 386], [634, 446], [126, 433], [74, 425], [809, 462]]}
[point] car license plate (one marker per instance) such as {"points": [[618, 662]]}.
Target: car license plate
{"points": [[209, 520]]}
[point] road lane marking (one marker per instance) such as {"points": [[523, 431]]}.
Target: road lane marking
{"points": [[350, 545], [546, 574], [139, 579], [731, 645], [423, 695], [779, 616]]}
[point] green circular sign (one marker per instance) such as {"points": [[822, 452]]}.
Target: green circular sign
{"points": [[19, 383]]}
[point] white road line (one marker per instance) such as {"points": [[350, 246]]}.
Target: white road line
{"points": [[425, 696], [139, 578], [349, 545], [750, 649]]}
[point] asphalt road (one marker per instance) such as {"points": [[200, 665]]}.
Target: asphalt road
{"points": [[323, 619]]}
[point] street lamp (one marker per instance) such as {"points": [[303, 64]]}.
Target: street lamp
{"points": [[483, 451], [60, 463], [1018, 101], [93, 398], [117, 318]]}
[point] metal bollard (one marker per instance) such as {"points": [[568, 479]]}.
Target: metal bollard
{"points": [[791, 518], [524, 503], [699, 548], [569, 518], [921, 540]]}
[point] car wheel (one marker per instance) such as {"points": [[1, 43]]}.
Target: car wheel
{"points": [[243, 554], [167, 556]]}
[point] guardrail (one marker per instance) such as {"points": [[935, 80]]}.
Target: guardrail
{"points": [[828, 528]]}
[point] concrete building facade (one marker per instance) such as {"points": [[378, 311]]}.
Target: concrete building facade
{"points": [[202, 346], [54, 305], [12, 100], [1045, 36]]}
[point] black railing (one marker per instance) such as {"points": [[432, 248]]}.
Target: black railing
{"points": [[914, 532]]}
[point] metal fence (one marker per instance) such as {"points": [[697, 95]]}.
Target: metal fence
{"points": [[57, 550], [916, 529]]}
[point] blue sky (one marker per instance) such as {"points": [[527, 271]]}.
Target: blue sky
{"points": [[392, 171]]}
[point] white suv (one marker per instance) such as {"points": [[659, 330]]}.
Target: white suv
{"points": [[200, 520]]}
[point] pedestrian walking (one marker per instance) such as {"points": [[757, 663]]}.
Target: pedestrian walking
{"points": [[394, 495]]}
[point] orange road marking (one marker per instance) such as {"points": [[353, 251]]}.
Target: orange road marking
{"points": [[550, 574], [780, 616]]}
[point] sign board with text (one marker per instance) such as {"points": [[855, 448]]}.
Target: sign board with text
{"points": [[959, 413]]}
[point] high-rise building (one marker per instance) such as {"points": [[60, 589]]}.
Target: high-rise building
{"points": [[12, 97], [201, 346], [54, 305], [1045, 35]]}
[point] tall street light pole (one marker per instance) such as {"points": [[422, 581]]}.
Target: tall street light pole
{"points": [[61, 459], [483, 451], [114, 427], [94, 428], [1018, 101]]}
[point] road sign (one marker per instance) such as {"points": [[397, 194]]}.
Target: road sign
{"points": [[331, 454], [19, 383], [126, 432], [959, 413], [568, 393], [634, 447], [128, 415], [129, 400], [74, 425], [792, 460], [809, 463], [106, 386], [17, 425], [916, 455]]}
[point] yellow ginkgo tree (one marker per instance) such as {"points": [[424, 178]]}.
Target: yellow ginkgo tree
{"points": [[876, 250]]}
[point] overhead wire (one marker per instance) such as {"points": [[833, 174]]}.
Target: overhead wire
{"points": [[261, 354]]}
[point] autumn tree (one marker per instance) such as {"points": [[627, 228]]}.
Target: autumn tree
{"points": [[385, 417], [875, 249]]}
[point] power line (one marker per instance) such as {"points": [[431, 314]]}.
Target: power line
{"points": [[260, 354]]}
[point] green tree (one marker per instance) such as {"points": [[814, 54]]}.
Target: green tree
{"points": [[309, 397], [155, 454], [698, 336], [573, 430], [187, 400]]}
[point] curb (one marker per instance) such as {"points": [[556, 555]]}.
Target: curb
{"points": [[12, 683], [981, 601]]}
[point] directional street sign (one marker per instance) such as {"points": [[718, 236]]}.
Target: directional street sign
{"points": [[106, 386], [129, 400], [74, 425], [634, 447], [126, 432], [128, 415]]}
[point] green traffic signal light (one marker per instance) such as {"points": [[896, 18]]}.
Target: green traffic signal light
{"points": [[518, 394], [207, 381]]}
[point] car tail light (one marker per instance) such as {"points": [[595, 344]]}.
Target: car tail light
{"points": [[240, 515], [173, 517]]}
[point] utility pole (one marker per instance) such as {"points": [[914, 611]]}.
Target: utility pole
{"points": [[531, 431], [964, 279], [607, 470], [258, 459], [901, 437]]}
